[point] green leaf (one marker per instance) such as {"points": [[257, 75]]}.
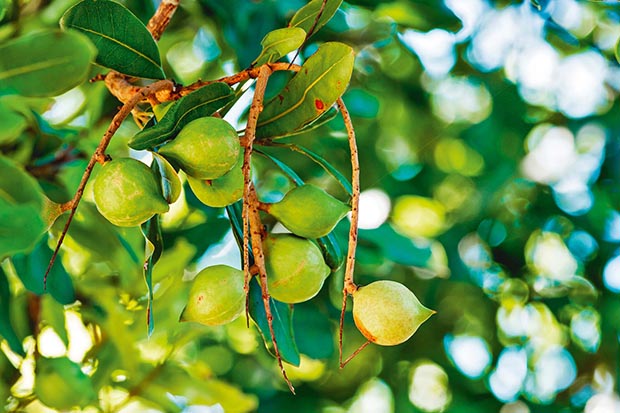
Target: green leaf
{"points": [[31, 268], [123, 42], [6, 328], [282, 324], [53, 314], [21, 226], [306, 17], [153, 249], [170, 182], [4, 7], [396, 247], [45, 63], [313, 330], [278, 43], [13, 124], [328, 167], [322, 79], [292, 175], [331, 250], [200, 103], [22, 206]]}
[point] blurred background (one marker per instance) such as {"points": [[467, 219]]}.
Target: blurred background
{"points": [[490, 162]]}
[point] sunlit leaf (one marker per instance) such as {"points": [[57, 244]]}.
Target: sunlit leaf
{"points": [[123, 42], [312, 91], [306, 17], [200, 103], [45, 63], [279, 43], [282, 324]]}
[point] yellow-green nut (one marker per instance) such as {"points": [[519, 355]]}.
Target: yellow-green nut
{"points": [[220, 192], [388, 313], [308, 211], [295, 267], [216, 296], [206, 148], [127, 193]]}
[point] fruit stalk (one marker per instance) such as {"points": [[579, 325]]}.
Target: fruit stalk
{"points": [[349, 284], [257, 234]]}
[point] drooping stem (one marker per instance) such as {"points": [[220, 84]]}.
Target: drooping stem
{"points": [[355, 353], [99, 157], [247, 142], [349, 284], [257, 234]]}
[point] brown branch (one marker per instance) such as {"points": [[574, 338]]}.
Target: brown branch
{"points": [[100, 157], [349, 284], [247, 141], [251, 215], [158, 23]]}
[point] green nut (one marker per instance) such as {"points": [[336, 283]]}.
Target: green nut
{"points": [[206, 148], [127, 193]]}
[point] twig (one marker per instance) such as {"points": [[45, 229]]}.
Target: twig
{"points": [[349, 285], [158, 23], [99, 157], [310, 32], [355, 353]]}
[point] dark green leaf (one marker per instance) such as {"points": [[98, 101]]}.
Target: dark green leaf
{"points": [[312, 91], [6, 328], [313, 331], [282, 324], [154, 246], [306, 17], [200, 103], [278, 43], [31, 269], [123, 42], [45, 63]]}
